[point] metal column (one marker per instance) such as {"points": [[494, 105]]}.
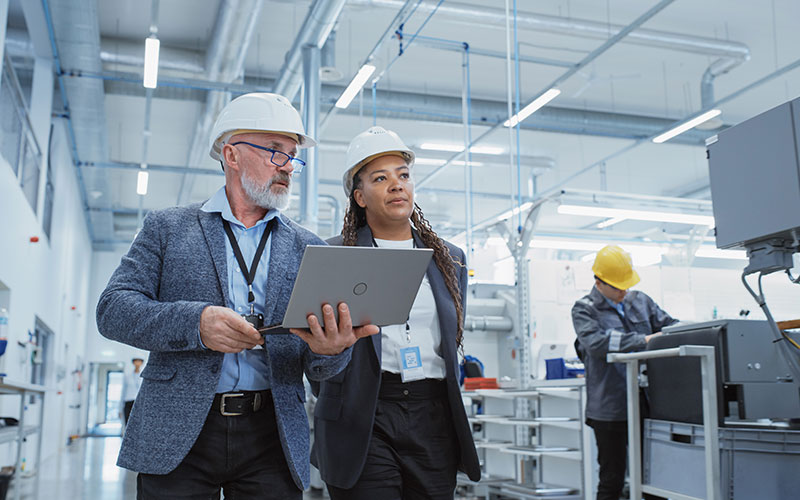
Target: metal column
{"points": [[309, 203], [465, 115]]}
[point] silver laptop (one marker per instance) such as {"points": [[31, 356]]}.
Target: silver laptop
{"points": [[378, 285]]}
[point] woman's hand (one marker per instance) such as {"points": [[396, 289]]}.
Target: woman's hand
{"points": [[332, 338]]}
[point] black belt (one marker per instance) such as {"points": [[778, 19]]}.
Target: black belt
{"points": [[233, 404]]}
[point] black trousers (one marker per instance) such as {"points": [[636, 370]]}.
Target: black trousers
{"points": [[612, 456], [241, 454], [127, 411], [413, 452]]}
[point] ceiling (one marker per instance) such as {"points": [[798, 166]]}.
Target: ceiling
{"points": [[630, 84]]}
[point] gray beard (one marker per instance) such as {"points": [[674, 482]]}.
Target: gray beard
{"points": [[263, 196]]}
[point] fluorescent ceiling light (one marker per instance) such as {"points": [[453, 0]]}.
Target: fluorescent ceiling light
{"points": [[457, 148], [510, 213], [437, 162], [532, 107], [710, 252], [487, 150], [428, 161], [355, 86], [678, 218], [642, 255], [683, 127], [141, 183], [610, 222], [151, 48], [437, 146]]}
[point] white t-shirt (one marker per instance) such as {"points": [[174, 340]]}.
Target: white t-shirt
{"points": [[131, 384], [423, 325]]}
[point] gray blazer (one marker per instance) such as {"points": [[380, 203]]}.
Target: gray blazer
{"points": [[345, 411], [176, 267]]}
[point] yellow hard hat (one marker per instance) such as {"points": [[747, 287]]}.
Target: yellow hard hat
{"points": [[613, 265]]}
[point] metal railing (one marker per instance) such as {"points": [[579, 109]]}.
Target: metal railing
{"points": [[18, 144]]}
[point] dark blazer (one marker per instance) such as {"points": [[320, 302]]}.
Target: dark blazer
{"points": [[345, 411], [176, 267]]}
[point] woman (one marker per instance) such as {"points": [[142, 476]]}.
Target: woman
{"points": [[382, 432]]}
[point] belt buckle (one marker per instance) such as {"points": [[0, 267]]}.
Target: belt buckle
{"points": [[222, 404]]}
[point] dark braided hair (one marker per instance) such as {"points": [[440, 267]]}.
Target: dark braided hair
{"points": [[356, 217]]}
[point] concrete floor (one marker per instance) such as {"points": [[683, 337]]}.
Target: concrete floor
{"points": [[85, 470]]}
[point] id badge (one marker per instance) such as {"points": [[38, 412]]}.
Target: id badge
{"points": [[411, 364]]}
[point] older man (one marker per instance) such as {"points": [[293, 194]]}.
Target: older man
{"points": [[219, 406], [612, 319]]}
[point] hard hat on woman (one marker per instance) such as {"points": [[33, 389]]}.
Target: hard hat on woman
{"points": [[371, 144]]}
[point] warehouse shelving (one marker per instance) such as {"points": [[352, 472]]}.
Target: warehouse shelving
{"points": [[18, 433], [515, 468]]}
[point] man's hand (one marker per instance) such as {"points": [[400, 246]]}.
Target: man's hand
{"points": [[647, 338], [332, 338], [221, 329]]}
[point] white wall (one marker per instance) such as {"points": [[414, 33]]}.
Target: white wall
{"points": [[98, 348], [48, 280]]}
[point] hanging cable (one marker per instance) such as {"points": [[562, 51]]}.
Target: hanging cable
{"points": [[780, 335]]}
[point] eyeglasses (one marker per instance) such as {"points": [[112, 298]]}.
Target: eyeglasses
{"points": [[278, 158]]}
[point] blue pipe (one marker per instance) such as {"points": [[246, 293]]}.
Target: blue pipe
{"points": [[71, 131], [468, 152], [399, 32], [517, 126], [374, 103]]}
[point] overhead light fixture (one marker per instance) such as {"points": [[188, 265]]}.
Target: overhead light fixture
{"points": [[621, 213], [683, 127], [457, 148], [437, 162], [510, 213], [610, 222], [141, 183], [710, 252], [355, 86], [487, 150], [533, 107], [151, 48], [642, 255]]}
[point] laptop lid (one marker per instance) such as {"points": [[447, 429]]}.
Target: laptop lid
{"points": [[378, 285]]}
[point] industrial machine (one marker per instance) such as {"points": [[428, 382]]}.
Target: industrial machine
{"points": [[754, 169], [753, 380], [723, 422]]}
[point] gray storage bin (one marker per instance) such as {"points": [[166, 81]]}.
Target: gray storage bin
{"points": [[754, 463]]}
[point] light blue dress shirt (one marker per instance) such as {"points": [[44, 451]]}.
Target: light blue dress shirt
{"points": [[247, 370]]}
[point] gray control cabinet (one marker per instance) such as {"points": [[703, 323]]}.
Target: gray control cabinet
{"points": [[754, 169]]}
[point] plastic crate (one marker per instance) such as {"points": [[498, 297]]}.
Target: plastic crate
{"points": [[754, 463], [557, 369]]}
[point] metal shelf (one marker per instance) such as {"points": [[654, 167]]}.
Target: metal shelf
{"points": [[551, 492], [491, 444], [11, 433], [569, 454]]}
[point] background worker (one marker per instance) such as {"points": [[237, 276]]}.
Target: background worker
{"points": [[612, 319], [383, 430], [130, 388], [220, 407]]}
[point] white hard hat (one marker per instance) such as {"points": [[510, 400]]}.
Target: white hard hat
{"points": [[258, 112], [369, 145]]}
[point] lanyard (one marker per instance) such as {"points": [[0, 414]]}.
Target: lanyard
{"points": [[250, 275], [408, 327]]}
